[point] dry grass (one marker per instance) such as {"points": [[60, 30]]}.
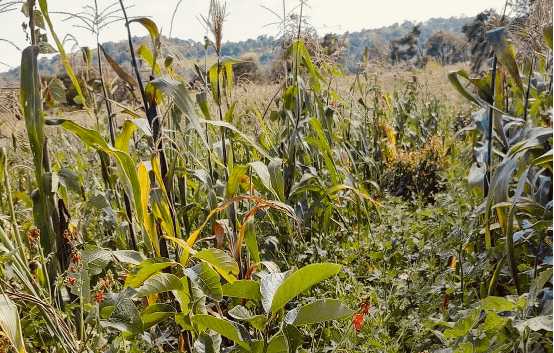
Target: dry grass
{"points": [[432, 80]]}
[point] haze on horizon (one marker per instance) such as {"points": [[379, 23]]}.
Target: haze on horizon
{"points": [[245, 19]]}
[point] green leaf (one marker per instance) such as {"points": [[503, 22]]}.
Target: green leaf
{"points": [[126, 165], [497, 304], [221, 261], [122, 140], [207, 279], [125, 317], [181, 97], [146, 55], [278, 344], [301, 280], [161, 282], [263, 172], [70, 179], [96, 258], [493, 322], [319, 311], [57, 90], [453, 78], [505, 53], [547, 31], [233, 331], [10, 324], [156, 313], [129, 256], [239, 312], [246, 289], [32, 107], [269, 285], [537, 285], [146, 269], [250, 240], [234, 180], [463, 325], [538, 323]]}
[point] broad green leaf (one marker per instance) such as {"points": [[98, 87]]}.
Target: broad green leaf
{"points": [[205, 343], [537, 285], [57, 90], [277, 180], [118, 70], [235, 178], [146, 55], [216, 81], [122, 140], [156, 313], [538, 323], [239, 312], [129, 256], [203, 103], [221, 261], [295, 338], [319, 311], [180, 94], [126, 165], [497, 304], [301, 280], [246, 289], [263, 172], [146, 269], [505, 53], [233, 331], [10, 324], [161, 282], [70, 180], [32, 107], [125, 317], [493, 322], [463, 325], [251, 241], [96, 258], [269, 285], [453, 77], [207, 279], [278, 344]]}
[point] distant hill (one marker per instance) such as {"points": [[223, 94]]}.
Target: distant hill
{"points": [[263, 49]]}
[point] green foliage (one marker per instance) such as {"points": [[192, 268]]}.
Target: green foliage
{"points": [[334, 259]]}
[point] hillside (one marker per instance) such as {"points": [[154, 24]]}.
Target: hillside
{"points": [[263, 49]]}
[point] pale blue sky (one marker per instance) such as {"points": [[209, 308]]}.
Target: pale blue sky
{"points": [[246, 18]]}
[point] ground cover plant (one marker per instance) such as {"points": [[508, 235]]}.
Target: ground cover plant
{"points": [[359, 218]]}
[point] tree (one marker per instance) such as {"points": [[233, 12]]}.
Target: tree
{"points": [[407, 47], [475, 32], [446, 48]]}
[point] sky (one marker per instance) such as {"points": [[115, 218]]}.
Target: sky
{"points": [[245, 18]]}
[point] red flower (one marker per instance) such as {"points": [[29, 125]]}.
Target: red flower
{"points": [[358, 321], [107, 283], [72, 269], [100, 296], [76, 257], [71, 280]]}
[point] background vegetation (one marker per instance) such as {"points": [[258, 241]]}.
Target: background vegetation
{"points": [[370, 211]]}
